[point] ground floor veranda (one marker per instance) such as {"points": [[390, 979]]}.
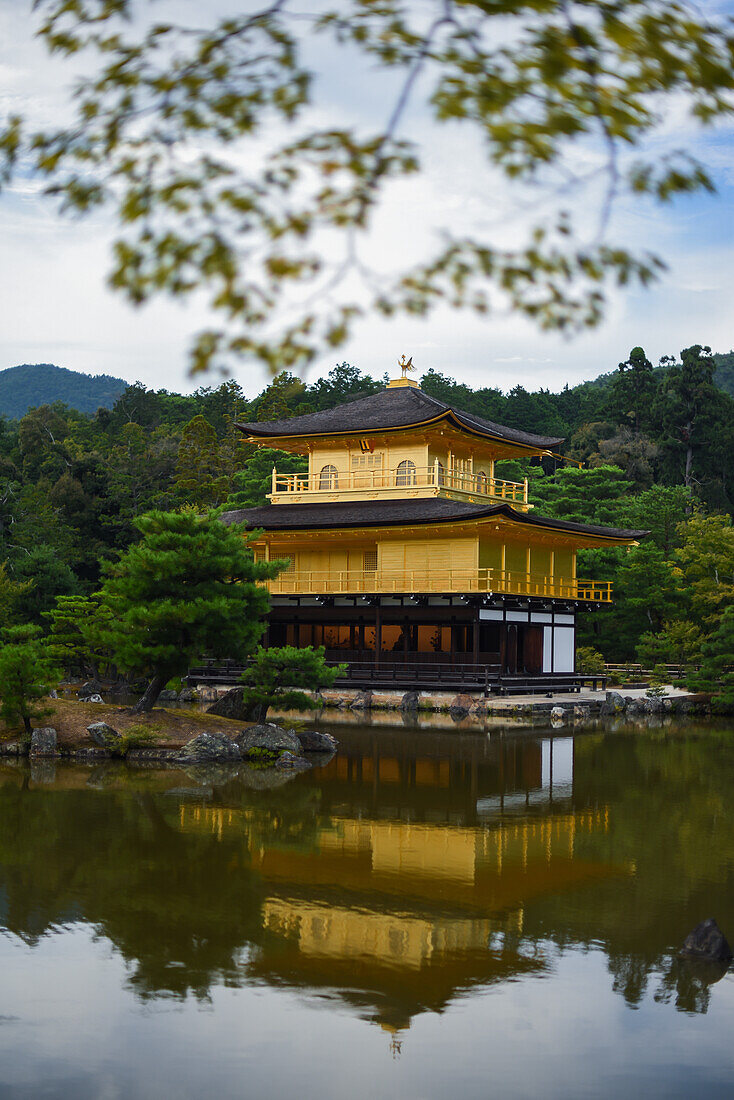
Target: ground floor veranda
{"points": [[380, 636]]}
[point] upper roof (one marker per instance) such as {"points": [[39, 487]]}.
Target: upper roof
{"points": [[398, 513], [391, 409]]}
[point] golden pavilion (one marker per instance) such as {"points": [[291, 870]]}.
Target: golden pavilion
{"points": [[409, 558]]}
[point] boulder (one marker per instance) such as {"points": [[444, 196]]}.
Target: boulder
{"points": [[91, 687], [15, 748], [103, 735], [557, 714], [707, 941], [581, 713], [188, 695], [209, 748], [313, 741], [43, 741], [460, 706], [288, 761], [168, 696], [361, 701], [410, 701], [270, 737], [231, 705], [92, 699], [613, 704], [53, 694]]}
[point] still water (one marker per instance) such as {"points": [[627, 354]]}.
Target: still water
{"points": [[427, 915]]}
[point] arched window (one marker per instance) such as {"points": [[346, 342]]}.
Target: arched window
{"points": [[405, 473], [328, 478], [482, 482], [441, 473]]}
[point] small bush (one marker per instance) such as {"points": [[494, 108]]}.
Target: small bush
{"points": [[656, 689], [135, 737]]}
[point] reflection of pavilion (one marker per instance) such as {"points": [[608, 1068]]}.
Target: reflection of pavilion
{"points": [[395, 904]]}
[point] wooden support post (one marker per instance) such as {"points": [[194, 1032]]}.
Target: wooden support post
{"points": [[274, 478]]}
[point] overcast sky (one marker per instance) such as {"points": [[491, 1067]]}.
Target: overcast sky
{"points": [[55, 306]]}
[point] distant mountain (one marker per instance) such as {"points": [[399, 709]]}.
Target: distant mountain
{"points": [[42, 383]]}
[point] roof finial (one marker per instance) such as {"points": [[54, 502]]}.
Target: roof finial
{"points": [[405, 365]]}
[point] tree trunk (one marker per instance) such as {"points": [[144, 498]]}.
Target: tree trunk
{"points": [[149, 698]]}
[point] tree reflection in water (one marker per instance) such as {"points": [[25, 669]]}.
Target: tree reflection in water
{"points": [[410, 869]]}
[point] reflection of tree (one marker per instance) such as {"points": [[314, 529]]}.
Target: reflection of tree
{"points": [[671, 821], [178, 906]]}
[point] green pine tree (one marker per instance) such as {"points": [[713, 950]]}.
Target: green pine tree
{"points": [[190, 587], [717, 666], [27, 674], [282, 676]]}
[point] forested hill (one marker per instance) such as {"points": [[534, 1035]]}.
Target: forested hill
{"points": [[32, 384]]}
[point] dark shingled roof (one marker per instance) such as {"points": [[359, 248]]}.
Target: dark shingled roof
{"points": [[392, 408], [398, 513]]}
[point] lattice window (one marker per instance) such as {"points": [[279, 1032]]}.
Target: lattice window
{"points": [[329, 478], [370, 561], [290, 560], [366, 462], [405, 473]]}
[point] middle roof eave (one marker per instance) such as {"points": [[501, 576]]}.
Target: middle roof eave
{"points": [[402, 513]]}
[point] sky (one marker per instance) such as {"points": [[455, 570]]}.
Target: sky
{"points": [[56, 307]]}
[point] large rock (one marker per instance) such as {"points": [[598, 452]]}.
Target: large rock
{"points": [[43, 742], [361, 701], [93, 699], [460, 707], [92, 687], [613, 704], [168, 696], [557, 714], [707, 941], [209, 748], [231, 705], [270, 737], [188, 695], [103, 735], [409, 702], [313, 741]]}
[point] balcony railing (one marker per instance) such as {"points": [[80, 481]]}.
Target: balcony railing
{"points": [[303, 583], [402, 477]]}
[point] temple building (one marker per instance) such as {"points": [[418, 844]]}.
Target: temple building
{"points": [[408, 557]]}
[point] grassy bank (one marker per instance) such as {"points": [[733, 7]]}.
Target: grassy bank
{"points": [[168, 729]]}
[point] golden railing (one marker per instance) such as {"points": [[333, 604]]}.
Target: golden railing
{"points": [[402, 477], [354, 581]]}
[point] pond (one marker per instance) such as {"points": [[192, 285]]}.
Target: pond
{"points": [[428, 914]]}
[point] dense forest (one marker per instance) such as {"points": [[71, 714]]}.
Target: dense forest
{"points": [[32, 384], [645, 447]]}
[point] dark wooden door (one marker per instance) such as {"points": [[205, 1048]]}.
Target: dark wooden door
{"points": [[511, 649], [533, 649]]}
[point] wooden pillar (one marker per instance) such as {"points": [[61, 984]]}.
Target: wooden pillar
{"points": [[378, 634], [552, 572], [527, 570], [475, 647]]}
